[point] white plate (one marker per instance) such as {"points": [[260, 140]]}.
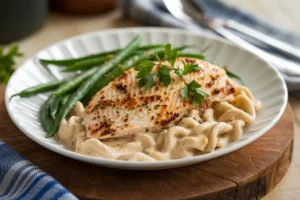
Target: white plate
{"points": [[263, 80]]}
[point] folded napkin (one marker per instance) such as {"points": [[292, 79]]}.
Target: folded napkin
{"points": [[19, 179], [154, 13]]}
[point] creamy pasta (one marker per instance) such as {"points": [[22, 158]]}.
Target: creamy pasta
{"points": [[196, 133]]}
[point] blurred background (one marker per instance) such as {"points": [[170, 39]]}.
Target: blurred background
{"points": [[21, 18], [48, 21]]}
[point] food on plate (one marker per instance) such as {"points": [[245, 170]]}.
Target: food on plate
{"points": [[145, 104]]}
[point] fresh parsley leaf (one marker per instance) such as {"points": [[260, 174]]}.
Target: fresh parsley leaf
{"points": [[157, 57], [147, 81], [178, 71], [170, 54], [198, 96], [188, 68], [173, 57], [193, 89], [144, 68], [145, 74], [232, 75], [7, 62], [163, 74], [193, 85], [168, 49], [185, 93]]}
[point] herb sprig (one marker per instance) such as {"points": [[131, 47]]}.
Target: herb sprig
{"points": [[7, 62], [146, 75], [193, 88]]}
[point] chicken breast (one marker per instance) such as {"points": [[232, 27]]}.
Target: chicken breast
{"points": [[123, 108]]}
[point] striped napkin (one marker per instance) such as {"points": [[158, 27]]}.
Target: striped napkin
{"points": [[154, 13], [20, 179]]}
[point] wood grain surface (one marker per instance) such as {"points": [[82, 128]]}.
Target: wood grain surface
{"points": [[248, 173]]}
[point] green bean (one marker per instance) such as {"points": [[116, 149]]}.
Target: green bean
{"points": [[65, 99], [180, 48], [40, 88], [74, 60], [89, 83], [55, 106], [191, 55], [84, 64], [47, 123], [151, 46], [73, 83]]}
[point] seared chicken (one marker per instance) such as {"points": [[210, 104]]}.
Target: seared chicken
{"points": [[123, 108]]}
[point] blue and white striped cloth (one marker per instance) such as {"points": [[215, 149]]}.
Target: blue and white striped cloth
{"points": [[20, 179], [154, 13]]}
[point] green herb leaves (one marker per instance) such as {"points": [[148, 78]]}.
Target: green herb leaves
{"points": [[145, 67], [163, 74], [187, 68], [147, 81], [146, 75], [7, 62], [170, 55], [192, 90]]}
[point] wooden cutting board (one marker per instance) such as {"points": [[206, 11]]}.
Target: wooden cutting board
{"points": [[248, 173]]}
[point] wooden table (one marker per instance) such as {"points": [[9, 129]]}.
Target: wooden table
{"points": [[59, 27]]}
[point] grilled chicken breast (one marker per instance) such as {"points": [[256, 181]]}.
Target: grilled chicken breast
{"points": [[123, 108]]}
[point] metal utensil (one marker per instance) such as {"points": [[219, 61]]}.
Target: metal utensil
{"points": [[186, 12], [188, 7]]}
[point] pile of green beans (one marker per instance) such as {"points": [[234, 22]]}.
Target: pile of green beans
{"points": [[97, 71], [106, 54]]}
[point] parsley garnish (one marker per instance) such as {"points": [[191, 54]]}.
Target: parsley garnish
{"points": [[170, 55], [7, 62], [163, 74], [147, 81], [192, 89], [187, 68], [146, 75]]}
